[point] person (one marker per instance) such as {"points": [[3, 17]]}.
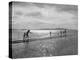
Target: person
{"points": [[61, 33], [64, 33], [26, 36], [50, 34]]}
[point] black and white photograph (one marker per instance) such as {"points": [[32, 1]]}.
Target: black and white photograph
{"points": [[42, 29]]}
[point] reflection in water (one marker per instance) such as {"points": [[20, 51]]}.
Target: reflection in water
{"points": [[47, 47]]}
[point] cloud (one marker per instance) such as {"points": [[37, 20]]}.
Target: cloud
{"points": [[46, 15]]}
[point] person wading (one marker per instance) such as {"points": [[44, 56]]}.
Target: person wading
{"points": [[50, 34], [26, 36]]}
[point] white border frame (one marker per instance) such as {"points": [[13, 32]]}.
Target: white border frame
{"points": [[4, 21]]}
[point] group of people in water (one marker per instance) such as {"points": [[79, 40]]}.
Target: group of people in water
{"points": [[26, 35]]}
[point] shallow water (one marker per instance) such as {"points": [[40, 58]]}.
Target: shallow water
{"points": [[47, 47]]}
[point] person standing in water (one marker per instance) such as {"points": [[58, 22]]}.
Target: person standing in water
{"points": [[26, 36], [50, 34], [65, 31]]}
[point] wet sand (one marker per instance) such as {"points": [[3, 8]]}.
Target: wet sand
{"points": [[47, 47]]}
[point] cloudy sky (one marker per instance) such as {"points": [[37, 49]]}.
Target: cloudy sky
{"points": [[42, 15]]}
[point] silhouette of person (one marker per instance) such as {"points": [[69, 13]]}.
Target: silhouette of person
{"points": [[26, 36], [61, 33], [64, 32], [50, 34]]}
